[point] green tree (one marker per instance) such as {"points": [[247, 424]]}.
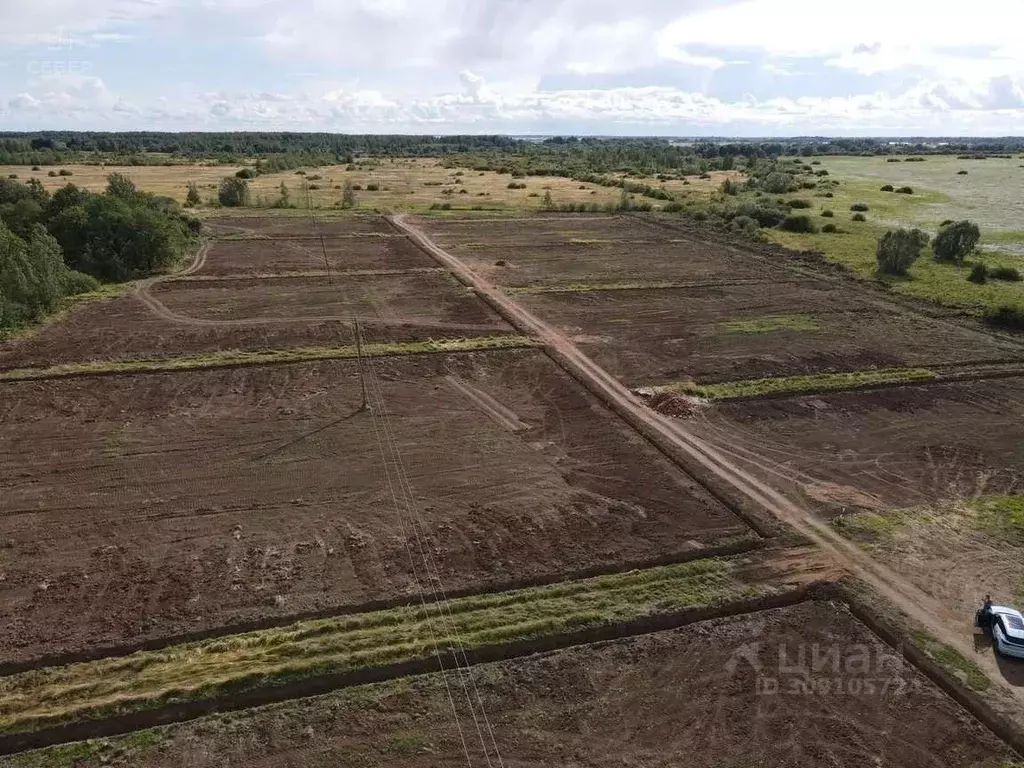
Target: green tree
{"points": [[119, 185], [548, 202], [233, 192], [348, 196], [956, 241], [899, 248], [192, 197], [32, 276]]}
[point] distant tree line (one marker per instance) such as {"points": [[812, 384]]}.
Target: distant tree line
{"points": [[52, 246], [567, 155]]}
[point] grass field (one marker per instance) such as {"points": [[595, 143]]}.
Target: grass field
{"points": [[939, 194], [413, 184]]}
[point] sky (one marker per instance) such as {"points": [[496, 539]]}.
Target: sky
{"points": [[599, 67]]}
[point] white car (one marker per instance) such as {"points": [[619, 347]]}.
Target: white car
{"points": [[1008, 631]]}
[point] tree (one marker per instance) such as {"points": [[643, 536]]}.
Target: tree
{"points": [[233, 192], [119, 185], [548, 202], [348, 196], [898, 249], [284, 201], [956, 241], [193, 198], [31, 276]]}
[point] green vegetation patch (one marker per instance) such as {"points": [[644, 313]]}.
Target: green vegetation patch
{"points": [[222, 667], [1001, 516], [952, 661], [264, 357], [872, 527], [818, 382], [771, 324]]}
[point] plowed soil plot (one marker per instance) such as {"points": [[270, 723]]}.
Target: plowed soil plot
{"points": [[150, 505], [741, 691], [426, 298], [203, 316], [591, 252], [748, 331], [879, 449], [298, 226], [283, 256]]}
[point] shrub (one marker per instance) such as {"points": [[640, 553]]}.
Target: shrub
{"points": [[829, 194], [1005, 273], [233, 192], [12, 176], [315, 177], [1005, 317], [893, 160], [822, 172], [730, 187], [798, 223], [373, 187], [357, 187], [76, 283], [777, 182], [905, 191], [899, 248], [829, 228], [65, 172], [797, 203], [764, 215], [52, 174], [246, 173], [516, 185], [807, 185], [314, 186], [300, 173], [501, 263], [705, 176], [859, 207], [534, 194], [978, 274], [946, 223], [672, 207], [956, 241], [36, 168], [858, 217], [961, 173], [828, 214], [887, 188], [744, 225], [463, 191]]}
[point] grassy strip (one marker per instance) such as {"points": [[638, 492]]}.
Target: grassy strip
{"points": [[225, 666], [263, 357], [819, 382], [771, 323], [589, 287], [952, 661]]}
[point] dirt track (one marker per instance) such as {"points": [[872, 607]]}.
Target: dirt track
{"points": [[672, 436]]}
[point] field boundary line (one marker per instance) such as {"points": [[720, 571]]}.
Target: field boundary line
{"points": [[951, 376], [184, 711], [258, 358]]}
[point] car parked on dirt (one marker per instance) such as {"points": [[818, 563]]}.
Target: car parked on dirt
{"points": [[1008, 631]]}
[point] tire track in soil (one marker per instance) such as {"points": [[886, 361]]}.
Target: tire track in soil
{"points": [[944, 624]]}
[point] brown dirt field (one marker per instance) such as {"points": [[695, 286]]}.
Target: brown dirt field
{"points": [[222, 315], [150, 505], [433, 297], [291, 255], [898, 447], [649, 337], [296, 223], [888, 449], [681, 697], [538, 230]]}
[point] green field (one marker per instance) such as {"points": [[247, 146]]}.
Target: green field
{"points": [[984, 196]]}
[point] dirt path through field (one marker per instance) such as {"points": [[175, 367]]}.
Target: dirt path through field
{"points": [[951, 629]]}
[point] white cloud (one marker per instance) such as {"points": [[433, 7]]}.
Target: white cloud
{"points": [[65, 23]]}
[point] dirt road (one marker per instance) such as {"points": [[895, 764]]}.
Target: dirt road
{"points": [[674, 438]]}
